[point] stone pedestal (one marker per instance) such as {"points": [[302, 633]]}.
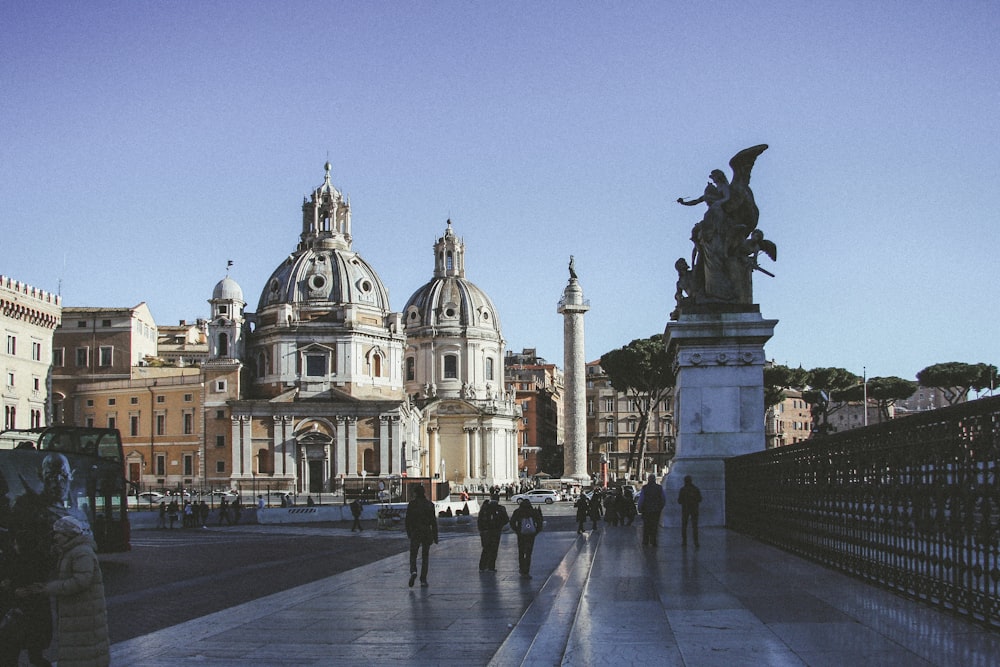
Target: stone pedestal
{"points": [[718, 401]]}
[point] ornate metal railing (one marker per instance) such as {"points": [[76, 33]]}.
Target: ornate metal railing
{"points": [[912, 505]]}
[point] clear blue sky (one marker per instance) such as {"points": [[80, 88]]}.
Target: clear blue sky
{"points": [[144, 144]]}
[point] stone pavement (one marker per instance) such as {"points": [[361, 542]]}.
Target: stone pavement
{"points": [[600, 598]]}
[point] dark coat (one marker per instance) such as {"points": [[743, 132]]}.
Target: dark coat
{"points": [[421, 521], [523, 510]]}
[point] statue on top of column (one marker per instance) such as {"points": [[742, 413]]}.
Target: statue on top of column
{"points": [[727, 243]]}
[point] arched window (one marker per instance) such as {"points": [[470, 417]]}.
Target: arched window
{"points": [[223, 344], [265, 464], [377, 365], [450, 261]]}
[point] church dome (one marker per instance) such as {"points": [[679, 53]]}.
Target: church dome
{"points": [[324, 269], [227, 290], [450, 300]]}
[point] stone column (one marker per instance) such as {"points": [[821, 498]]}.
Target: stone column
{"points": [[573, 307], [352, 447], [383, 445], [340, 447], [718, 402]]}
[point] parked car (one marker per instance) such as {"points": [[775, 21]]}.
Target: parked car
{"points": [[150, 497], [538, 496]]}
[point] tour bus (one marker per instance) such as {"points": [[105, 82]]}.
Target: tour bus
{"points": [[77, 470]]}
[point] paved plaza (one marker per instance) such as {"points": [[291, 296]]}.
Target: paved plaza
{"points": [[600, 598]]}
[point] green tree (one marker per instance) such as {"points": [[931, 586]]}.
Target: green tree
{"points": [[642, 371], [955, 379], [778, 378], [828, 387], [885, 391]]}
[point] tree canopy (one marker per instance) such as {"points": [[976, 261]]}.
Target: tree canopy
{"points": [[642, 370], [778, 378], [955, 379]]}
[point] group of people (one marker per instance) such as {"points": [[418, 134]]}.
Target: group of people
{"points": [[617, 507], [193, 515], [652, 500], [422, 530]]}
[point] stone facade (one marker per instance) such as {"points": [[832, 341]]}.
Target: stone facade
{"points": [[29, 317]]}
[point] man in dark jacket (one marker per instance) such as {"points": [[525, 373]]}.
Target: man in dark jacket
{"points": [[689, 499], [356, 513], [422, 529], [651, 502], [526, 521], [492, 519]]}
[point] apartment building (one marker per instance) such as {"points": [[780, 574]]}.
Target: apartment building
{"points": [[613, 419], [537, 386]]}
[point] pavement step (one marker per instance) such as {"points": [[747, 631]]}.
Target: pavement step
{"points": [[541, 634]]}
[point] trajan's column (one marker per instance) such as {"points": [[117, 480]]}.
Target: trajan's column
{"points": [[572, 307]]}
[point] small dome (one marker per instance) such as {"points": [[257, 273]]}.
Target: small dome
{"points": [[227, 290], [451, 301]]}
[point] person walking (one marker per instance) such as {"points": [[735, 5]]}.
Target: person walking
{"points": [[689, 499], [651, 502], [172, 510], [582, 513], [421, 529], [81, 613], [492, 518], [596, 509], [161, 521], [224, 512], [526, 522], [203, 513], [237, 510], [356, 513]]}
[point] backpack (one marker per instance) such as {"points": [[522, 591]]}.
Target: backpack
{"points": [[528, 525]]}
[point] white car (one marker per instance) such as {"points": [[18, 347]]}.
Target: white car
{"points": [[150, 498], [538, 496]]}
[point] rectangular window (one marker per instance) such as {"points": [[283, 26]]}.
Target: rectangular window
{"points": [[133, 425], [11, 345], [83, 356], [316, 365], [36, 384], [90, 402], [188, 398], [82, 324], [220, 385], [451, 366], [188, 425], [105, 323], [112, 421], [161, 399], [105, 355], [609, 405], [188, 465], [161, 465], [10, 379], [161, 424], [220, 466], [489, 368], [112, 401], [220, 414], [58, 359], [89, 421], [220, 441], [36, 351], [134, 400]]}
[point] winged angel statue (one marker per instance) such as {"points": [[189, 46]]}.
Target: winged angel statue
{"points": [[727, 243]]}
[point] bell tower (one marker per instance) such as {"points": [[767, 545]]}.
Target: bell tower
{"points": [[225, 326]]}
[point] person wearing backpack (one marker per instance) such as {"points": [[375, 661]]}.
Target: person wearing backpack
{"points": [[526, 522], [651, 504], [492, 519]]}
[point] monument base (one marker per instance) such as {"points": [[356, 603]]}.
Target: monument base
{"points": [[718, 402]]}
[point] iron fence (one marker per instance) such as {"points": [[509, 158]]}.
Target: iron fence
{"points": [[911, 505]]}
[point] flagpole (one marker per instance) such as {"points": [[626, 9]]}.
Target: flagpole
{"points": [[864, 375]]}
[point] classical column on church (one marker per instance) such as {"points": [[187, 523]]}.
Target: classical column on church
{"points": [[340, 447], [572, 307]]}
